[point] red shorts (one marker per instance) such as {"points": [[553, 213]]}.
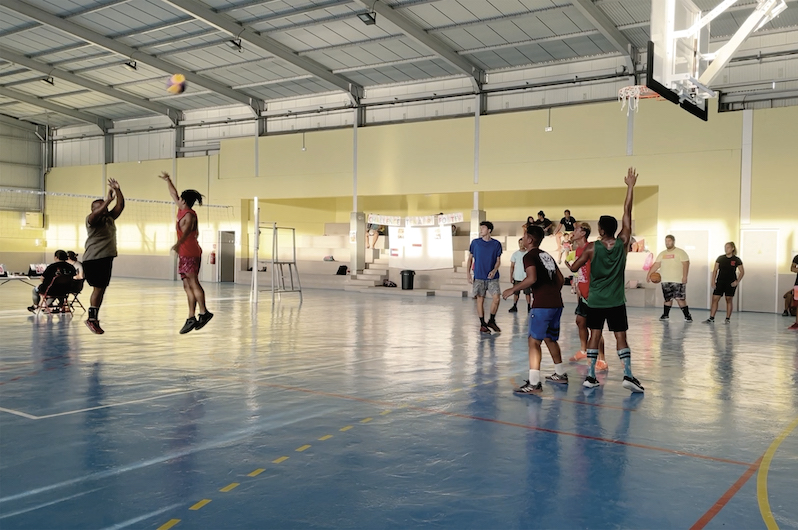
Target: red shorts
{"points": [[188, 265]]}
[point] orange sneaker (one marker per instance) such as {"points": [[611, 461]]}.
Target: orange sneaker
{"points": [[578, 356], [601, 366]]}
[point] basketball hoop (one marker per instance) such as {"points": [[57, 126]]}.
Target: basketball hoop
{"points": [[632, 95]]}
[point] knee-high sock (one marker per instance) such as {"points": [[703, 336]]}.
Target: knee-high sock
{"points": [[625, 355], [592, 357]]}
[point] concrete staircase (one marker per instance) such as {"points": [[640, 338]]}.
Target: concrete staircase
{"points": [[374, 273], [455, 285]]}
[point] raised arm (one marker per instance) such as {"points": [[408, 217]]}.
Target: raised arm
{"points": [[172, 190], [626, 223], [116, 211], [96, 214]]}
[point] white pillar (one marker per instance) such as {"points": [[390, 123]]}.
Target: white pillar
{"points": [[357, 229]]}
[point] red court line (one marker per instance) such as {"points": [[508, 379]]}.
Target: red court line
{"points": [[511, 424], [726, 497]]}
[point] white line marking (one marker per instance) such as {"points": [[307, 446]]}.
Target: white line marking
{"points": [[151, 398], [46, 504], [140, 518]]}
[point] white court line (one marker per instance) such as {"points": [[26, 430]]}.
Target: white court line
{"points": [[46, 504], [19, 413], [140, 518], [151, 398]]}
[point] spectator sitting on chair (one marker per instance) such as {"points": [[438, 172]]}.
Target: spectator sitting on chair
{"points": [[59, 268], [545, 223], [372, 230], [72, 259], [529, 221]]}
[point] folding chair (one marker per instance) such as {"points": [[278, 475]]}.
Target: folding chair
{"points": [[75, 290], [58, 290]]}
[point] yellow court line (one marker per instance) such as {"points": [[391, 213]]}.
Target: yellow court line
{"points": [[230, 486], [344, 429], [303, 448], [325, 437], [384, 412], [256, 472], [281, 459], [366, 420], [168, 524], [762, 477], [200, 504]]}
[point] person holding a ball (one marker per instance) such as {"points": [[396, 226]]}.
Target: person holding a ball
{"points": [[674, 264]]}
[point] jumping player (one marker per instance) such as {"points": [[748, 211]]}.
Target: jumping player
{"points": [[98, 258], [607, 301], [189, 254], [543, 276]]}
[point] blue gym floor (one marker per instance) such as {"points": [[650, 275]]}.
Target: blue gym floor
{"points": [[379, 411]]}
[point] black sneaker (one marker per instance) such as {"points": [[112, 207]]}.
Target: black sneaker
{"points": [[590, 382], [631, 383], [32, 308], [484, 329], [528, 388], [557, 378], [203, 319], [688, 318], [727, 321], [786, 313], [190, 324], [492, 325], [513, 309], [664, 317]]}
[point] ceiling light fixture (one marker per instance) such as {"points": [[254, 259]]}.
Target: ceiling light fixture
{"points": [[131, 65], [235, 44], [49, 80], [368, 18]]}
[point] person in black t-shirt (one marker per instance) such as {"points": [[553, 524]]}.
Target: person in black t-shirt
{"points": [[57, 277], [566, 226], [725, 281], [794, 268], [545, 223]]}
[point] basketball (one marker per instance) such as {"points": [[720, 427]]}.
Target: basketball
{"points": [[176, 84], [656, 277]]}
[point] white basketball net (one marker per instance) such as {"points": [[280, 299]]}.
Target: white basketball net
{"points": [[631, 95]]}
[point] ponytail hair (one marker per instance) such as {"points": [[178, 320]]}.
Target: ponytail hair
{"points": [[190, 197]]}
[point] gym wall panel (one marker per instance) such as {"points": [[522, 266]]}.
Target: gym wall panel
{"points": [[774, 186]]}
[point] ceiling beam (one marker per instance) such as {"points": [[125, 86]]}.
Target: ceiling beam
{"points": [[231, 26], [159, 108], [19, 124], [103, 123], [126, 51], [409, 28], [607, 28]]}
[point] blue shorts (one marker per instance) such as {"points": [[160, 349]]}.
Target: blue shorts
{"points": [[544, 323]]}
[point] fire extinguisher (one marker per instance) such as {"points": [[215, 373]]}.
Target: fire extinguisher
{"points": [[212, 258]]}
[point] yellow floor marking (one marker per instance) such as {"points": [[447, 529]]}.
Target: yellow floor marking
{"points": [[231, 486], [256, 472], [403, 406], [366, 420], [384, 412], [325, 437], [343, 429], [300, 449], [762, 478], [457, 390], [168, 524], [200, 504], [281, 459], [475, 384]]}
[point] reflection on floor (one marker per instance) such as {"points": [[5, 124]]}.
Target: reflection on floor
{"points": [[364, 411]]}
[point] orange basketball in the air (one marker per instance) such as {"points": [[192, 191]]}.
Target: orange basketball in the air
{"points": [[656, 277]]}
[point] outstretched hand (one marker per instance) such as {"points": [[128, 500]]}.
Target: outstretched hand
{"points": [[113, 184], [631, 177], [164, 175]]}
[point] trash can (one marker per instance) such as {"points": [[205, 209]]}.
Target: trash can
{"points": [[407, 280]]}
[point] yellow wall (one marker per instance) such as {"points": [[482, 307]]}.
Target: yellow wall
{"points": [[689, 171]]}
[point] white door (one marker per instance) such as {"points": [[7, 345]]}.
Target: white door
{"points": [[696, 244], [759, 289]]}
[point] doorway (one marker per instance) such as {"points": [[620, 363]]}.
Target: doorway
{"points": [[227, 256], [759, 290]]}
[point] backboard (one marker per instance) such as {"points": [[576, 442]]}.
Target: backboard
{"points": [[676, 54]]}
